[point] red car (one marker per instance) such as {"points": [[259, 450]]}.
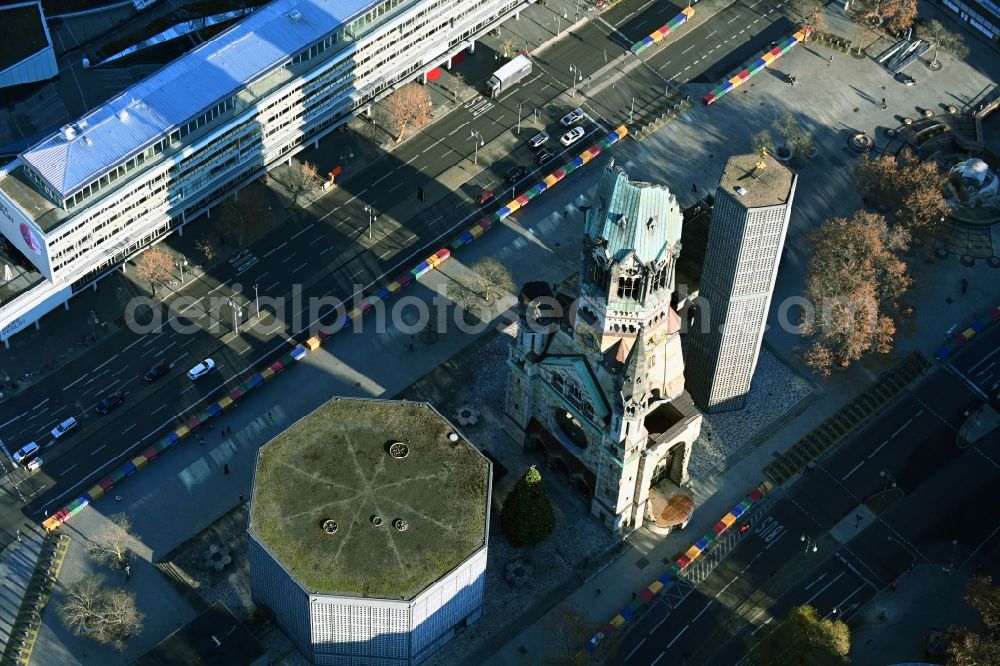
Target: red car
{"points": [[486, 197]]}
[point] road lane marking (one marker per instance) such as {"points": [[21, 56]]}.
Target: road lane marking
{"points": [[821, 577], [159, 409], [766, 622], [82, 377], [106, 362], [735, 18], [688, 49], [101, 448], [332, 247], [39, 404], [902, 427], [695, 619], [822, 589], [845, 599], [877, 449], [300, 266], [853, 470], [726, 587], [272, 251], [658, 659], [639, 645], [128, 428], [138, 340], [299, 233], [679, 634]]}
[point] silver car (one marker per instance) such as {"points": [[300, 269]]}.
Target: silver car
{"points": [[538, 140], [201, 369], [573, 117], [64, 427]]}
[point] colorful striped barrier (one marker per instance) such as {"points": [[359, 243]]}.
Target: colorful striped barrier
{"points": [[978, 326], [750, 69], [299, 352], [660, 33], [648, 593]]}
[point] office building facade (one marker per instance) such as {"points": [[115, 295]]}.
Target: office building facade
{"points": [[753, 204], [85, 199]]}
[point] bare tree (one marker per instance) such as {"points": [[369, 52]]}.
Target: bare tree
{"points": [[762, 140], [854, 280], [155, 265], [112, 543], [811, 12], [567, 631], [206, 245], [407, 108], [893, 15], [795, 136], [302, 180], [494, 278], [912, 188], [464, 293], [106, 615], [508, 48], [944, 39], [243, 218]]}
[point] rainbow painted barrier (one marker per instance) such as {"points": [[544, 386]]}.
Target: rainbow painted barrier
{"points": [[750, 69], [648, 593], [300, 351], [660, 33], [978, 326]]}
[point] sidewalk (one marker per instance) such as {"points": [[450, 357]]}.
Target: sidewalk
{"points": [[17, 564]]}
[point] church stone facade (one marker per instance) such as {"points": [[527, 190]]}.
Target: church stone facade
{"points": [[597, 377]]}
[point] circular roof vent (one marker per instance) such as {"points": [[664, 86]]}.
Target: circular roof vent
{"points": [[452, 436], [400, 524], [329, 526], [399, 450], [376, 520]]}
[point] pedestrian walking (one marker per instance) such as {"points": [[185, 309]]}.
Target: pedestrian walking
{"points": [[269, 415], [831, 61], [694, 187], [633, 596], [884, 104], [128, 572], [241, 499], [19, 536], [858, 517], [201, 440], [598, 592], [225, 469], [211, 426], [892, 586], [965, 285]]}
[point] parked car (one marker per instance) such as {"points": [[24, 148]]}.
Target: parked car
{"points": [[486, 196], [538, 140], [34, 464], [572, 136], [109, 402], [26, 453], [157, 371], [544, 155], [573, 117], [64, 427], [515, 174], [202, 369]]}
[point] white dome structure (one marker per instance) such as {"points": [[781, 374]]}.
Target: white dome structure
{"points": [[975, 183]]}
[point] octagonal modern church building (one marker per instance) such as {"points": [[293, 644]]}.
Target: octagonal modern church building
{"points": [[368, 531]]}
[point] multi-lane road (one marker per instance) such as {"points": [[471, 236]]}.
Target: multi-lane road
{"points": [[336, 249], [811, 547]]}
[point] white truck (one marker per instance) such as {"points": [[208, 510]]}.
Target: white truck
{"points": [[508, 75]]}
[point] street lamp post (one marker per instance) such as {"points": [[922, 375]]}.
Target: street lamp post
{"points": [[473, 134], [371, 219], [631, 111], [575, 71], [236, 312], [347, 155], [94, 321], [520, 105], [577, 10], [256, 300], [810, 544], [889, 481], [181, 264]]}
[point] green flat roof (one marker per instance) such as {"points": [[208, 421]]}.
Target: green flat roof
{"points": [[21, 34], [334, 464]]}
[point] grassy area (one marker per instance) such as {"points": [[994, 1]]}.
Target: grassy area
{"points": [[21, 34], [333, 464]]}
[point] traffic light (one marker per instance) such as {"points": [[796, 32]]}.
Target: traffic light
{"points": [[420, 193]]}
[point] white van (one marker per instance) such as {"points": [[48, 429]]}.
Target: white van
{"points": [[64, 427]]}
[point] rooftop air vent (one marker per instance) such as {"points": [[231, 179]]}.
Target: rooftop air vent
{"points": [[329, 526], [295, 15], [399, 450], [400, 524], [651, 223], [740, 190], [122, 115], [87, 140], [621, 220], [67, 132], [376, 520], [82, 125]]}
